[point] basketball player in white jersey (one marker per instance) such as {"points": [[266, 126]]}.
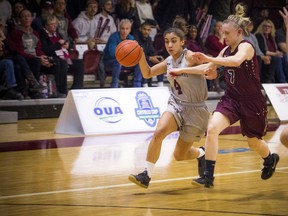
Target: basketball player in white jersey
{"points": [[186, 111]]}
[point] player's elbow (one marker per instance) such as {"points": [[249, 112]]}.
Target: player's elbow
{"points": [[146, 74]]}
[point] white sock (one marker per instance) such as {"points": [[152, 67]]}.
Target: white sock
{"points": [[149, 167], [160, 84], [145, 85], [201, 152]]}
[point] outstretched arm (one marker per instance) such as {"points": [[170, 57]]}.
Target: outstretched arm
{"points": [[194, 66], [245, 52], [208, 70]]}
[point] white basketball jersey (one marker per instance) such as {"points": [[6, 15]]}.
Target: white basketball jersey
{"points": [[190, 88]]}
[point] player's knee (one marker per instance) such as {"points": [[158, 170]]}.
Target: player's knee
{"points": [[284, 139], [159, 135], [212, 130], [254, 143]]}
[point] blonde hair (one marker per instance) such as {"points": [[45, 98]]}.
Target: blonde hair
{"points": [[264, 22], [239, 20]]}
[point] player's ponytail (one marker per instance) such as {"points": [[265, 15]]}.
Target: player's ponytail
{"points": [[239, 19]]}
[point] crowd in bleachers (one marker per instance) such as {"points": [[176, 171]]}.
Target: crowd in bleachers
{"points": [[38, 41]]}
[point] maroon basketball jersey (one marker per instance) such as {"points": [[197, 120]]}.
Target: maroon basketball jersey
{"points": [[242, 81]]}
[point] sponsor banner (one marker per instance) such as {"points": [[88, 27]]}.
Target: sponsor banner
{"points": [[106, 111], [278, 96]]}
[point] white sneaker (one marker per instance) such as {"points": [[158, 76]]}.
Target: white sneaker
{"points": [[145, 85]]}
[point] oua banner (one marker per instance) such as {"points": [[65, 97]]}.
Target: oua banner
{"points": [[110, 111]]}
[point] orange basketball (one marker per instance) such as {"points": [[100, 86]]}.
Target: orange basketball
{"points": [[128, 53]]}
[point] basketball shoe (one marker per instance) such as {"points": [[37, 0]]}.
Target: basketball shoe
{"points": [[269, 169], [201, 164], [203, 181], [142, 179]]}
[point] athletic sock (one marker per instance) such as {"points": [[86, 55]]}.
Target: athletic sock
{"points": [[149, 168], [268, 159], [210, 165], [202, 152]]}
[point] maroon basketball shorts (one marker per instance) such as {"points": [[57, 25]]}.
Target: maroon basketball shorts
{"points": [[252, 114]]}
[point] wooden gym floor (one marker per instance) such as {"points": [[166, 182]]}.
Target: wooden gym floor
{"points": [[42, 173]]}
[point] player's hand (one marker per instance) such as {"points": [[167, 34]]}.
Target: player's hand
{"points": [[210, 73], [284, 15], [200, 57], [174, 72]]}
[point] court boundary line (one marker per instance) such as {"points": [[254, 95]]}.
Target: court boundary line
{"points": [[124, 185]]}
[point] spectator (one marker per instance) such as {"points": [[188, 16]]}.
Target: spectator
{"points": [[262, 14], [65, 28], [280, 37], [7, 72], [126, 9], [14, 21], [144, 10], [105, 27], [86, 23], [261, 58], [69, 33], [143, 38], [214, 44], [105, 23], [23, 73], [265, 35], [219, 9], [194, 42], [57, 48], [5, 12], [25, 42], [47, 7], [109, 54]]}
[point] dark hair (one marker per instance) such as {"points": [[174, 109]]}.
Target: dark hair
{"points": [[176, 31]]}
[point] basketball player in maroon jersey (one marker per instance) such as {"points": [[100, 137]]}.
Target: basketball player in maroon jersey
{"points": [[243, 99]]}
